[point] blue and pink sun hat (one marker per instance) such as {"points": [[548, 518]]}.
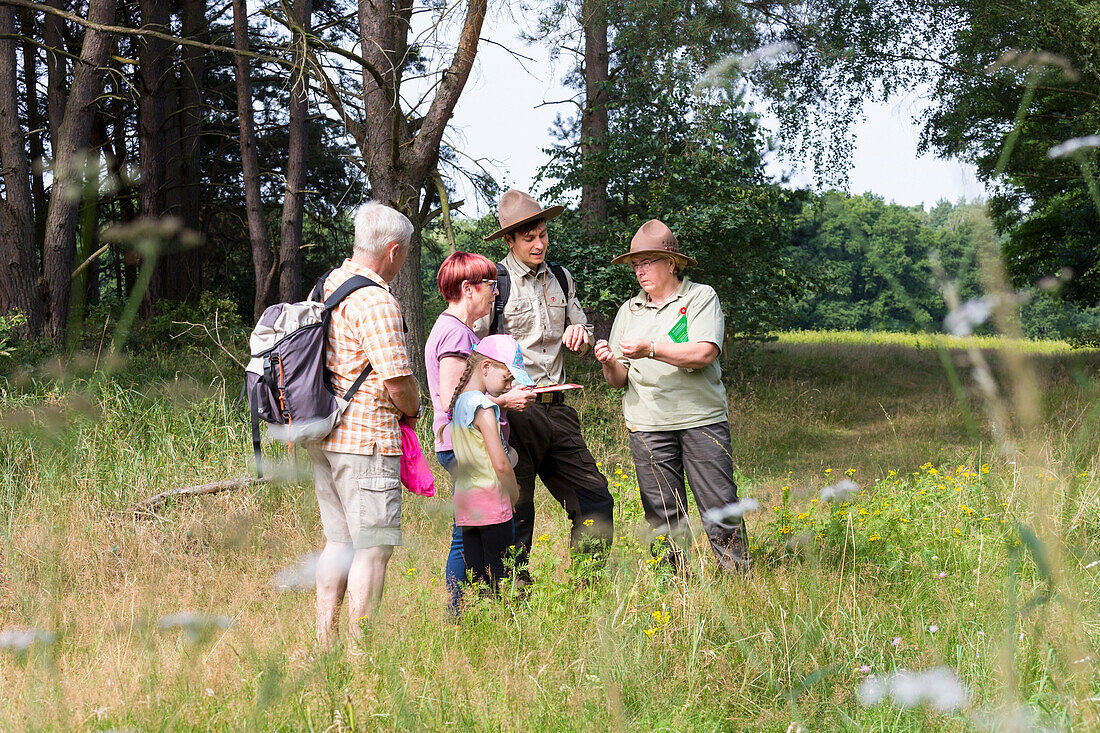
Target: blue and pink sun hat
{"points": [[505, 349]]}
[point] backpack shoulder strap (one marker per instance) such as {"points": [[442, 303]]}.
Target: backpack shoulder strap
{"points": [[318, 292], [561, 277], [349, 286], [504, 289]]}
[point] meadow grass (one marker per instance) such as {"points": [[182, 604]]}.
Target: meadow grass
{"points": [[948, 554]]}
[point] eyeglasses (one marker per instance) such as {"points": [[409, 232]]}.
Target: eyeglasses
{"points": [[492, 286], [636, 265]]}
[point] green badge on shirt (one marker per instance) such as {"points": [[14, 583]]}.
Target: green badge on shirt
{"points": [[679, 332]]}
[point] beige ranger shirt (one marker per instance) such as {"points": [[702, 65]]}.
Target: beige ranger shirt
{"points": [[536, 315], [660, 396]]}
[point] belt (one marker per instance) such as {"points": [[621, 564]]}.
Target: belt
{"points": [[550, 398]]}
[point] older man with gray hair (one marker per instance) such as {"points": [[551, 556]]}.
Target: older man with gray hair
{"points": [[357, 468]]}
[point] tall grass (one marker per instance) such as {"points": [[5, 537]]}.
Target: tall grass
{"points": [[639, 650]]}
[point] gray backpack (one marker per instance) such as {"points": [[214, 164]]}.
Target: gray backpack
{"points": [[286, 381]]}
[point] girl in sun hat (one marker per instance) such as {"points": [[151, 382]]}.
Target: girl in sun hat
{"points": [[485, 484]]}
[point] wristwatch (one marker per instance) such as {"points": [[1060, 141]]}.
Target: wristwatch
{"points": [[652, 355]]}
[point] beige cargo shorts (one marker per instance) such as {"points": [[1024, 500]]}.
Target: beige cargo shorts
{"points": [[359, 497]]}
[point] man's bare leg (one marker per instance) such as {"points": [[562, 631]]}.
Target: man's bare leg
{"points": [[332, 581], [366, 579]]}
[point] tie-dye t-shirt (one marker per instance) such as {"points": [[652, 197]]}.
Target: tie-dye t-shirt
{"points": [[479, 498]]}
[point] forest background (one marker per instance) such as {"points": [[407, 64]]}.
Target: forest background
{"points": [[167, 160]]}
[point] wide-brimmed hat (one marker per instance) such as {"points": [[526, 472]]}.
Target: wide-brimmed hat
{"points": [[518, 208], [505, 349], [654, 237]]}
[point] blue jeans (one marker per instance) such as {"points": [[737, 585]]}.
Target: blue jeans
{"points": [[454, 574]]}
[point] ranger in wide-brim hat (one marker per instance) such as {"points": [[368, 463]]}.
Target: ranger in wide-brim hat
{"points": [[518, 208], [654, 237], [537, 305]]}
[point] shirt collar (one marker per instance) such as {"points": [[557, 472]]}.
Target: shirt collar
{"points": [[642, 300], [356, 269], [515, 264]]}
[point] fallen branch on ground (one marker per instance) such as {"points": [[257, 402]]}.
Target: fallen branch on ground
{"points": [[145, 507]]}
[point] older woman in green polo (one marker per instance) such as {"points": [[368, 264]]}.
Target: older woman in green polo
{"points": [[663, 348]]}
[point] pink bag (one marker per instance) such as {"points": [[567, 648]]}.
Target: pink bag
{"points": [[415, 472]]}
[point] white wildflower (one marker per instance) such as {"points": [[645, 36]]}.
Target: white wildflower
{"points": [[19, 639], [302, 575], [750, 59], [963, 320], [1073, 145], [721, 71], [938, 687], [1032, 60], [871, 692], [732, 511], [1019, 719], [839, 491], [194, 624]]}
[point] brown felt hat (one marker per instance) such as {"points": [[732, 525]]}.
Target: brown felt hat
{"points": [[516, 209], [656, 238]]}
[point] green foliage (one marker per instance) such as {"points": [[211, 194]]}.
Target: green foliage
{"points": [[693, 160], [8, 324], [871, 263], [959, 55]]}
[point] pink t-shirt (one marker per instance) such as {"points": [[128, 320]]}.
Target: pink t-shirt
{"points": [[449, 337]]}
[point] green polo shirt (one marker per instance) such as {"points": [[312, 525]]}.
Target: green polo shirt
{"points": [[660, 396]]}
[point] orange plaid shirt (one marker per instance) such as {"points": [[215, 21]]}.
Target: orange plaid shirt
{"points": [[365, 328]]}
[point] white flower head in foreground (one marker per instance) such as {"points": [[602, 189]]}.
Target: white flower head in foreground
{"points": [[302, 575], [721, 71], [19, 639], [732, 511], [963, 320], [938, 687], [1074, 145], [1019, 719], [194, 624], [752, 58], [839, 491], [1033, 60]]}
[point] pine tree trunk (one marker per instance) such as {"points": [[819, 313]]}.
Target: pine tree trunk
{"points": [[290, 244], [35, 124], [153, 151], [594, 122], [56, 72], [18, 260], [250, 168], [72, 140], [193, 19]]}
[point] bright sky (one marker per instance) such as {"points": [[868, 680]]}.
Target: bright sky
{"points": [[504, 116]]}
